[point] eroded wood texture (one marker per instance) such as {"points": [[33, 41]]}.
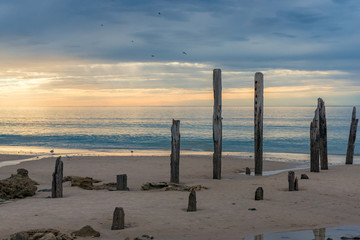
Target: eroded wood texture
{"points": [[217, 124], [352, 138], [258, 123], [175, 151]]}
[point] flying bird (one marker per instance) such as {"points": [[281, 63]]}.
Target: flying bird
{"points": [[159, 13], [52, 150], [184, 53], [102, 25], [152, 55]]}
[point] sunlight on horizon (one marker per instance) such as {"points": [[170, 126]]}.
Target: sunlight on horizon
{"points": [[164, 84]]}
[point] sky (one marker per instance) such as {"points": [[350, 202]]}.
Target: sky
{"points": [[163, 52]]}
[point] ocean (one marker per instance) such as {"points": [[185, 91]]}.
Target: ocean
{"points": [[112, 129]]}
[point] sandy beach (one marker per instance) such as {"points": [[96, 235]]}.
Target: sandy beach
{"points": [[327, 199]]}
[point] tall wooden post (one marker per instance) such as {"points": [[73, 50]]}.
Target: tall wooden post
{"points": [[323, 135], [314, 143], [56, 186], [217, 124], [258, 122], [175, 151], [352, 138], [118, 219]]}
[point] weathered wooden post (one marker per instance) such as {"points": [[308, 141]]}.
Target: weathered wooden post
{"points": [[258, 122], [192, 201], [352, 138], [314, 143], [291, 180], [296, 184], [57, 179], [248, 171], [175, 151], [118, 219], [259, 194], [323, 135], [217, 124], [121, 182]]}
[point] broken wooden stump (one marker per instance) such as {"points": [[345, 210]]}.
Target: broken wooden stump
{"points": [[175, 151], [118, 219], [258, 123], [192, 201], [56, 187], [352, 138], [291, 180], [217, 124], [248, 171], [296, 184], [259, 194], [322, 135], [121, 182]]}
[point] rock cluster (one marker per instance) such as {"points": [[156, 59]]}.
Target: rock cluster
{"points": [[86, 231], [41, 234], [17, 186]]}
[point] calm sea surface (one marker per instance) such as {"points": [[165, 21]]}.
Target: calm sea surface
{"points": [[286, 130]]}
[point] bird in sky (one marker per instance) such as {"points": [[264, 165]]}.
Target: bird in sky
{"points": [[52, 151], [159, 13], [102, 25], [184, 53], [152, 55]]}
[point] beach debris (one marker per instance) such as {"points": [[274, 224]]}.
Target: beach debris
{"points": [[144, 237], [192, 201], [170, 187], [293, 182], [87, 183], [57, 179], [118, 219], [252, 209], [175, 151], [121, 182], [352, 138], [351, 238], [258, 121], [217, 124], [248, 171], [259, 194], [304, 176], [86, 231], [40, 234], [45, 190], [18, 185]]}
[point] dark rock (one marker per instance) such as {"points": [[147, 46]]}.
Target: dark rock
{"points": [[86, 231], [17, 186], [304, 176], [248, 171], [259, 194]]}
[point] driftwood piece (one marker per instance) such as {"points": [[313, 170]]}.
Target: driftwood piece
{"points": [[175, 151], [118, 219], [217, 124], [322, 135], [314, 143], [121, 182], [291, 180], [57, 189], [259, 194], [304, 176], [352, 138], [258, 123], [192, 201]]}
